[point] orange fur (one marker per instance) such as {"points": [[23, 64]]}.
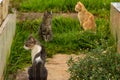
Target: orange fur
{"points": [[86, 18]]}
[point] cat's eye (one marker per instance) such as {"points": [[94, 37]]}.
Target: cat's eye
{"points": [[26, 45]]}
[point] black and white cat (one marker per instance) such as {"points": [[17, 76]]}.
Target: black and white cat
{"points": [[45, 30], [38, 70]]}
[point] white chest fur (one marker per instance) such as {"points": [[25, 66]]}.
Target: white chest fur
{"points": [[36, 49]]}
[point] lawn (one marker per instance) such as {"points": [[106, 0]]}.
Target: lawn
{"points": [[68, 36], [60, 5]]}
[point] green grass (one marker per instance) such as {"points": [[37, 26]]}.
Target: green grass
{"points": [[61, 5], [68, 36], [40, 5]]}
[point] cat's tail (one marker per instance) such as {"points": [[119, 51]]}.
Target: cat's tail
{"points": [[38, 71], [41, 72], [34, 71]]}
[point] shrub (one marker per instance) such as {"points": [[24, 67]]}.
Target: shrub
{"points": [[95, 67]]}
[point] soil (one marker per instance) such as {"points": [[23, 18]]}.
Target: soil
{"points": [[36, 15], [56, 66]]}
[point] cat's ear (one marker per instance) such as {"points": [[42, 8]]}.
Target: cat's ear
{"points": [[32, 38], [79, 6], [79, 2]]}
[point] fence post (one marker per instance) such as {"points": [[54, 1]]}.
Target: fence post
{"points": [[7, 31], [115, 22]]}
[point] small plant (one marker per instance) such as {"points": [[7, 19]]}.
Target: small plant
{"points": [[95, 67]]}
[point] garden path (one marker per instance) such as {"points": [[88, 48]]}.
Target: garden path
{"points": [[56, 66]]}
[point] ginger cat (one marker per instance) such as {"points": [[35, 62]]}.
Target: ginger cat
{"points": [[86, 18]]}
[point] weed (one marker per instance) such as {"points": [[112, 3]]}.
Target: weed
{"points": [[102, 66]]}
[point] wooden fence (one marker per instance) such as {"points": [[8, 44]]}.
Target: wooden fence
{"points": [[7, 31], [3, 10], [115, 22]]}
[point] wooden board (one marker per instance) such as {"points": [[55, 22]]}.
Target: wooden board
{"points": [[7, 31], [0, 14], [115, 22], [3, 10], [5, 4]]}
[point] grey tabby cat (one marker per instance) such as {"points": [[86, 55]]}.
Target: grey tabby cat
{"points": [[45, 30], [38, 70]]}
